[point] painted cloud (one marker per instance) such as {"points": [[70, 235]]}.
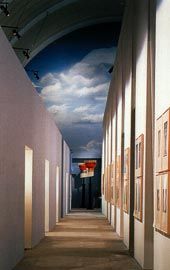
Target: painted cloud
{"points": [[76, 97]]}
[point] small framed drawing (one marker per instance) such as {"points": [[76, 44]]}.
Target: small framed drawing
{"points": [[127, 163], [105, 183], [139, 154], [138, 207], [165, 203], [165, 141], [109, 183], [126, 196], [158, 202], [118, 182], [159, 145], [113, 183]]}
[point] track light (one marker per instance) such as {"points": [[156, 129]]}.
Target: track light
{"points": [[16, 34], [34, 72], [111, 69], [4, 8], [25, 52]]}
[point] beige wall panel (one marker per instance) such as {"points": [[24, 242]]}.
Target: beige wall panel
{"points": [[141, 87], [162, 103]]}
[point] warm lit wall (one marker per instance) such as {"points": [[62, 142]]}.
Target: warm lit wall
{"points": [[23, 121], [162, 103], [130, 83]]}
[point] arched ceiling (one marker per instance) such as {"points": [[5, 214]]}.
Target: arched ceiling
{"points": [[40, 22]]}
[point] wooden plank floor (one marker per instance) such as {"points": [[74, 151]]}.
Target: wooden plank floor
{"points": [[80, 241]]}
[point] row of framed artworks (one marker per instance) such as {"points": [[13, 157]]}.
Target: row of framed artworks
{"points": [[162, 204], [112, 180], [139, 160], [163, 143], [162, 175]]}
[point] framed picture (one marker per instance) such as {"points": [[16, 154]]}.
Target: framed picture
{"points": [[139, 155], [113, 183], [105, 183], [165, 141], [126, 196], [127, 164], [159, 145], [118, 182], [109, 183], [138, 207], [165, 203], [158, 202]]}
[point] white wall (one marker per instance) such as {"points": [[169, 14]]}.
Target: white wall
{"points": [[23, 121], [162, 103], [131, 77]]}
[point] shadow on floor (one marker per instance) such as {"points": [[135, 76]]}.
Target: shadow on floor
{"points": [[81, 241]]}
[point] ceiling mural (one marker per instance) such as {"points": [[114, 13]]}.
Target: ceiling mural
{"points": [[72, 77]]}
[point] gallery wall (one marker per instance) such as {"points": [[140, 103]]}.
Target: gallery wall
{"points": [[24, 122], [130, 176], [162, 104]]}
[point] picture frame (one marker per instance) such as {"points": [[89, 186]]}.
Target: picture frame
{"points": [[158, 145], [139, 156], [113, 183], [165, 203], [126, 196], [118, 182], [165, 141], [109, 183], [138, 203], [158, 202], [127, 163], [105, 183]]}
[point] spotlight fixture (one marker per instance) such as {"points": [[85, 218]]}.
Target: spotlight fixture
{"points": [[111, 69], [34, 72], [4, 8], [15, 32], [25, 52]]}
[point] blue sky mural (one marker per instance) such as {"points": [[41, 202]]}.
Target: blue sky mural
{"points": [[74, 82]]}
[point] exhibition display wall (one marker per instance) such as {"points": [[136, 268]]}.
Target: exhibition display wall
{"points": [[30, 162], [129, 110]]}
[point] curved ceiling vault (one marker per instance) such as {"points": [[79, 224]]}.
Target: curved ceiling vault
{"points": [[40, 22]]}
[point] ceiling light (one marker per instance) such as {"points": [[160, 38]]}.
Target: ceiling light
{"points": [[16, 34], [4, 8], [36, 74], [111, 69], [26, 53]]}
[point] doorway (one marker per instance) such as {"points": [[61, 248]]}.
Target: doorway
{"points": [[28, 197], [47, 190], [57, 193]]}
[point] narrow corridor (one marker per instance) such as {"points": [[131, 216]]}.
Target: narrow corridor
{"points": [[82, 240]]}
